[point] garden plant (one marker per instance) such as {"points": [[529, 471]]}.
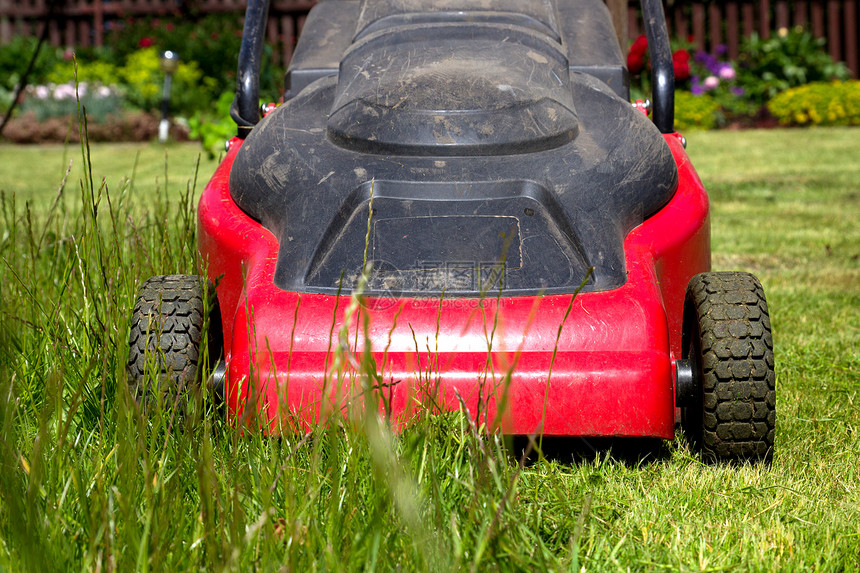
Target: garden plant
{"points": [[128, 68], [713, 91]]}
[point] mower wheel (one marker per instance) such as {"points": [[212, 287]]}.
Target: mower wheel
{"points": [[166, 334], [727, 339]]}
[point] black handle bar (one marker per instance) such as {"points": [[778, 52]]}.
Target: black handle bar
{"points": [[245, 109], [662, 71]]}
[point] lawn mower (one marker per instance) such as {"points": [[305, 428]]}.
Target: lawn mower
{"points": [[457, 203]]}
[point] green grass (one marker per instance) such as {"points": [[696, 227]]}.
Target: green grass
{"points": [[87, 483], [34, 172]]}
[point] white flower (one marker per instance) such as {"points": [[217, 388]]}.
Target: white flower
{"points": [[42, 92], [711, 82], [64, 91]]}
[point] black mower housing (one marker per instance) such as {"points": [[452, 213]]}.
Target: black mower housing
{"points": [[494, 140]]}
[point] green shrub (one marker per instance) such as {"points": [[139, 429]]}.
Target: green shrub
{"points": [[213, 127], [788, 59], [96, 71], [820, 103], [6, 97], [695, 111], [212, 41], [15, 56], [144, 79]]}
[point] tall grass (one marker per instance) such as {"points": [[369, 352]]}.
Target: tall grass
{"points": [[88, 482]]}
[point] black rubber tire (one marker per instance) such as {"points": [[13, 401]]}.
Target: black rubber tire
{"points": [[727, 337], [165, 335]]}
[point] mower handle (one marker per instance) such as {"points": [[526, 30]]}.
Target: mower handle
{"points": [[662, 71], [245, 109]]}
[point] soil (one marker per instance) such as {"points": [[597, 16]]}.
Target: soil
{"points": [[761, 120], [127, 126], [141, 126]]}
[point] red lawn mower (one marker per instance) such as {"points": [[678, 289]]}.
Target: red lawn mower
{"points": [[528, 245]]}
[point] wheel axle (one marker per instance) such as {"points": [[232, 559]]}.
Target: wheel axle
{"points": [[685, 383]]}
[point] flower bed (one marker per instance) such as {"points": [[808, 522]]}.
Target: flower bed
{"points": [[124, 126], [712, 91], [120, 86], [819, 103]]}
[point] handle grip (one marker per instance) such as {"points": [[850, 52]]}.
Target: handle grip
{"points": [[245, 109], [662, 70]]}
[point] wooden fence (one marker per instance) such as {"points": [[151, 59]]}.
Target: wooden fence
{"points": [[85, 22], [709, 22]]}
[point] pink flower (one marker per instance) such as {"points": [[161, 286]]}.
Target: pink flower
{"points": [[711, 82], [727, 73]]}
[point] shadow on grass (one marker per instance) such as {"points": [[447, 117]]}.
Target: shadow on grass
{"points": [[577, 450]]}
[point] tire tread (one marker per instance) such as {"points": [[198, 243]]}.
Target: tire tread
{"points": [[738, 383], [165, 333]]}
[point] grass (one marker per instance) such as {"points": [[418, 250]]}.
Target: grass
{"points": [[87, 483], [34, 172]]}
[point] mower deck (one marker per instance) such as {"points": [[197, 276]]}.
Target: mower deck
{"points": [[612, 365]]}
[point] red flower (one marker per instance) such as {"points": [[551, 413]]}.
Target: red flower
{"points": [[640, 45], [681, 56], [636, 55], [681, 64], [145, 42], [635, 63], [682, 71]]}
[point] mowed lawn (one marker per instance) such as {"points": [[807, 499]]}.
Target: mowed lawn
{"points": [[89, 483]]}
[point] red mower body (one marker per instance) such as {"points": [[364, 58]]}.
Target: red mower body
{"points": [[588, 364], [461, 210]]}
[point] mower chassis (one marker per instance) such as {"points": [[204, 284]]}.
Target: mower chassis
{"points": [[609, 370]]}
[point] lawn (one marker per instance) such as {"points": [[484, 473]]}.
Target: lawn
{"points": [[88, 483]]}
